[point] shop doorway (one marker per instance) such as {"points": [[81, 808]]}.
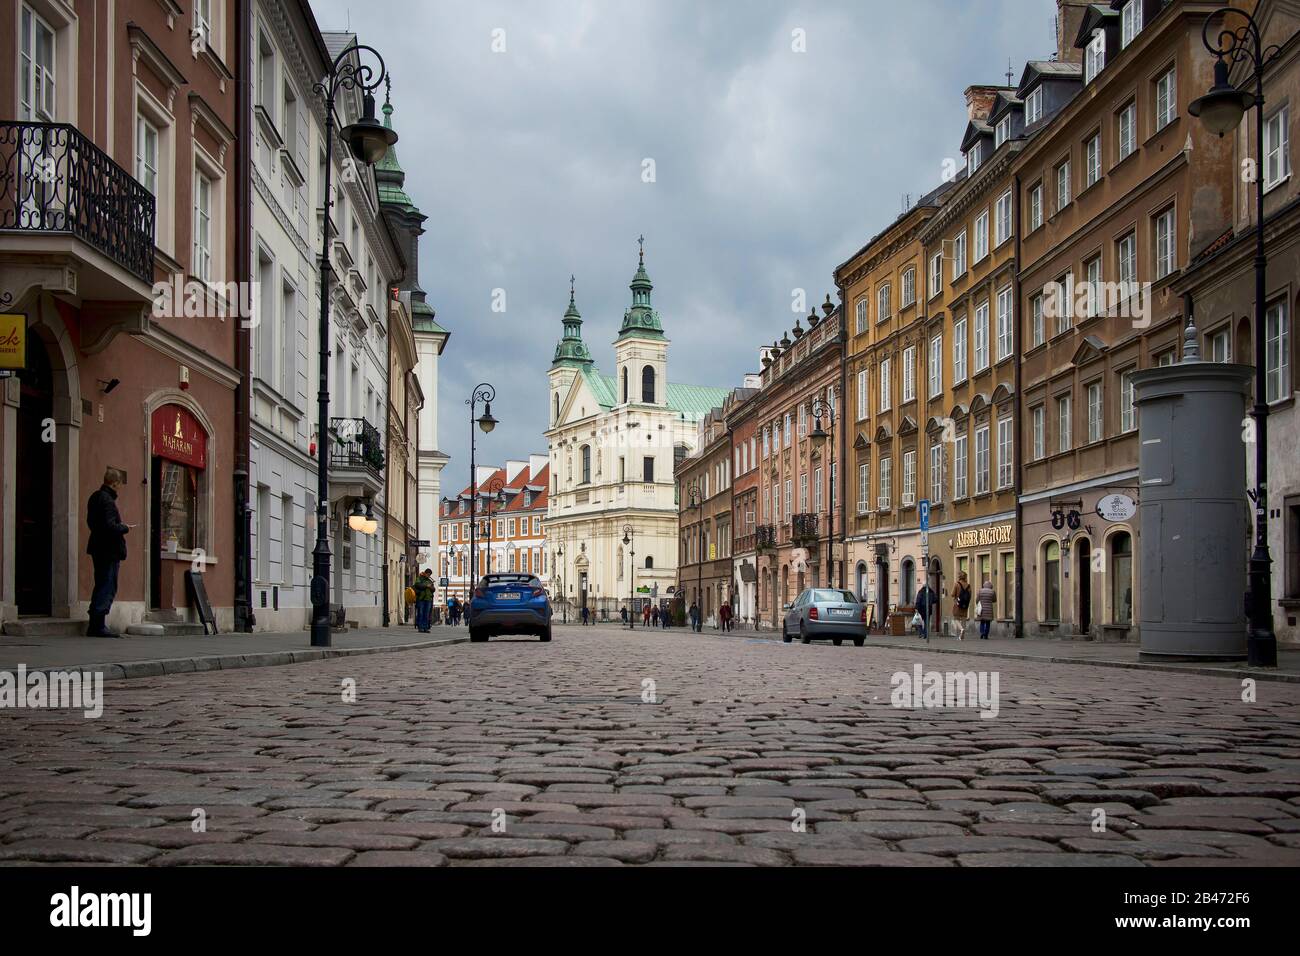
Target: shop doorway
{"points": [[1083, 560], [882, 593], [34, 491]]}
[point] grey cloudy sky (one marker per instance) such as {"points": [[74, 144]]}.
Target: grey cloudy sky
{"points": [[771, 166]]}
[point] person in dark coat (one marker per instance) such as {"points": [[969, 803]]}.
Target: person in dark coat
{"points": [[926, 602], [107, 549]]}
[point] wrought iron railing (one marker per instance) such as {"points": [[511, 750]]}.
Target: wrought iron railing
{"points": [[55, 180], [764, 537], [355, 443], [803, 528]]}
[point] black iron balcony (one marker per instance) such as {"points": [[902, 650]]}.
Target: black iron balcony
{"points": [[355, 443], [55, 180], [764, 537], [803, 529]]}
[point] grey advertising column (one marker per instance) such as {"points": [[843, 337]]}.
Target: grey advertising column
{"points": [[1193, 517]]}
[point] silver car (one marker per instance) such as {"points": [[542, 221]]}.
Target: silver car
{"points": [[820, 614]]}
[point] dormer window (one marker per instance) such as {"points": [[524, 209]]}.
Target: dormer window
{"points": [[1130, 22], [1003, 132], [973, 159], [1094, 57], [1034, 106]]}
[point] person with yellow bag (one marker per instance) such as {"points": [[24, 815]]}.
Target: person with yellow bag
{"points": [[423, 588]]}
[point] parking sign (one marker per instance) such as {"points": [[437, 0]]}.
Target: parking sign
{"points": [[923, 509]]}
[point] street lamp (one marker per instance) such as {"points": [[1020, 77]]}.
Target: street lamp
{"points": [[629, 538], [368, 141], [693, 493], [494, 496], [1220, 111], [558, 567], [820, 408], [485, 393]]}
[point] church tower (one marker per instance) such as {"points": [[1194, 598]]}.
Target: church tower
{"points": [[571, 357], [641, 349]]}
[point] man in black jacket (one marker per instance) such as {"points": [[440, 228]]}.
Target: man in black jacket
{"points": [[107, 548]]}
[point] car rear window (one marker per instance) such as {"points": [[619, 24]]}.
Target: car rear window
{"points": [[826, 594]]}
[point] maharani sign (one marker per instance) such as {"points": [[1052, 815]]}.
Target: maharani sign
{"points": [[978, 537], [177, 435]]}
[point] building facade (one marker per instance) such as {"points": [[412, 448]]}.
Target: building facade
{"points": [[704, 566], [127, 299], [613, 443], [744, 500]]}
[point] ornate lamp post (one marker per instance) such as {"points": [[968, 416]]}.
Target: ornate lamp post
{"points": [[820, 408], [485, 393], [629, 538], [558, 566], [1220, 111], [693, 495], [367, 140], [494, 496]]}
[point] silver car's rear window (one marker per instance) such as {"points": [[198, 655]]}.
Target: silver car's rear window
{"points": [[822, 595]]}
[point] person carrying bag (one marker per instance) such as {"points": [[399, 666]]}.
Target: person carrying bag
{"points": [[961, 603]]}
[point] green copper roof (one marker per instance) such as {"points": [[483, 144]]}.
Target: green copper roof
{"points": [[390, 178], [641, 320], [692, 402], [571, 348]]}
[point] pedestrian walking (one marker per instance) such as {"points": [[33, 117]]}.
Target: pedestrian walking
{"points": [[724, 615], [961, 595], [645, 615], [696, 624], [925, 603], [654, 616], [586, 615], [623, 614], [423, 585], [986, 598], [107, 550]]}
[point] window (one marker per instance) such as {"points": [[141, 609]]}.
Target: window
{"points": [[863, 392], [803, 420], [981, 336], [1003, 132], [1051, 581], [776, 502], [767, 443], [586, 464], [511, 530], [803, 493], [1218, 345], [1121, 578], [936, 274], [1034, 106], [146, 154], [1004, 323], [1277, 353], [1036, 320], [36, 99], [1063, 423], [203, 20], [786, 429], [909, 478], [886, 483], [1006, 454], [973, 158], [1166, 99], [1127, 130], [1126, 255], [817, 490], [883, 308], [1062, 185], [1094, 412], [625, 391], [1165, 257], [180, 513], [1064, 302], [886, 386], [909, 288], [864, 486], [860, 311], [982, 236], [1002, 224], [1277, 148], [265, 79], [1035, 206], [1094, 290], [776, 436], [648, 385], [648, 469], [1130, 22], [1094, 57], [909, 373], [959, 350], [959, 468], [788, 500], [959, 255], [935, 366], [1165, 358], [1092, 160], [936, 472], [202, 264], [982, 460], [1038, 427], [1127, 407]]}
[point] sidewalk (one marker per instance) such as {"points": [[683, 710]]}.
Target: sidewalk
{"points": [[134, 656]]}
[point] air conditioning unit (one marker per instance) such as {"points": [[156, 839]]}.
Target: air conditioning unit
{"points": [[882, 502], [909, 500]]}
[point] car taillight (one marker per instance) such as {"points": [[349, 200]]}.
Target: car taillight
{"points": [[864, 614], [539, 592], [812, 614], [479, 592]]}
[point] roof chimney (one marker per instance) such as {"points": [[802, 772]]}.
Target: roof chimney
{"points": [[1069, 16], [979, 101]]}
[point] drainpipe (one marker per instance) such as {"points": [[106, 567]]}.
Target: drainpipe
{"points": [[245, 619], [843, 407], [1017, 419]]}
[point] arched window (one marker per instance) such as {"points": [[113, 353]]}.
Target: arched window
{"points": [[620, 564], [586, 464], [648, 384], [556, 417], [909, 576], [649, 562], [1051, 581], [625, 386], [1121, 578]]}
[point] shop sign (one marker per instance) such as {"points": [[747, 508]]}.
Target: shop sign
{"points": [[177, 436], [981, 537], [1116, 508], [13, 343]]}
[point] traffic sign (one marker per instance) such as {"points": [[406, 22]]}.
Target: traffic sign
{"points": [[923, 509]]}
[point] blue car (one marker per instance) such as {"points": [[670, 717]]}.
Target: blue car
{"points": [[506, 603]]}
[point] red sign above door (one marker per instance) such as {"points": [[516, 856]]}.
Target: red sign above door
{"points": [[177, 435]]}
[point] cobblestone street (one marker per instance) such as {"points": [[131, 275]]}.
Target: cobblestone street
{"points": [[749, 752]]}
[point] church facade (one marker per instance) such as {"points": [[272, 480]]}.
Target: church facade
{"points": [[614, 441]]}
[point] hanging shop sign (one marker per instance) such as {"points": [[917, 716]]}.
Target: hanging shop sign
{"points": [[13, 343], [1116, 508], [177, 436]]}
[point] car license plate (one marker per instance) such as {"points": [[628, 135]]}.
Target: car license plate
{"points": [[510, 596], [841, 612]]}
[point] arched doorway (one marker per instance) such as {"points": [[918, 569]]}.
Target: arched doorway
{"points": [[1083, 562], [860, 581], [907, 586], [882, 589], [34, 487]]}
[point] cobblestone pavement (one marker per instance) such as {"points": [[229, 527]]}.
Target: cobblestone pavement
{"points": [[753, 752]]}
